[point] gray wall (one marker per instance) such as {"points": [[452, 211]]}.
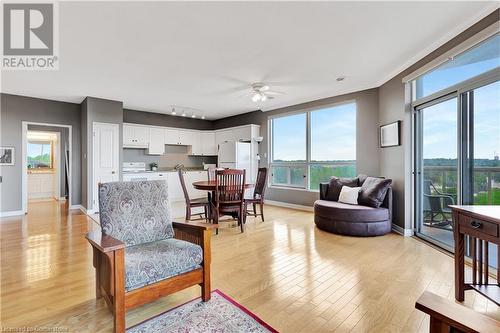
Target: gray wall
{"points": [[64, 144], [16, 109], [97, 110], [158, 119], [367, 153], [396, 162]]}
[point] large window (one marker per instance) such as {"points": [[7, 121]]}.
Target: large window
{"points": [[478, 60], [310, 147], [40, 155]]}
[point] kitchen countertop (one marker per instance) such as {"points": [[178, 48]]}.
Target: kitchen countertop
{"points": [[164, 170]]}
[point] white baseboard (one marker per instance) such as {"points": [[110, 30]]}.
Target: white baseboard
{"points": [[80, 207], [288, 205], [12, 213], [404, 232]]}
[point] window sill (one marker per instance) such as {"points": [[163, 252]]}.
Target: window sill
{"points": [[293, 188]]}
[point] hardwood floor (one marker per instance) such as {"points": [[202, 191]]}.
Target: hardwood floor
{"points": [[294, 276]]}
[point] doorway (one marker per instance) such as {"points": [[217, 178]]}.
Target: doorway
{"points": [[46, 153]]}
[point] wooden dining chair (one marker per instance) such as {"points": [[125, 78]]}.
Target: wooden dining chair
{"points": [[258, 195], [193, 203], [229, 195]]}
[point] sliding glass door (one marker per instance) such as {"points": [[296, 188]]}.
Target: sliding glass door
{"points": [[457, 148], [437, 159]]}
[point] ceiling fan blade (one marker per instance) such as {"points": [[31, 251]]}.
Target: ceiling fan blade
{"points": [[273, 92]]}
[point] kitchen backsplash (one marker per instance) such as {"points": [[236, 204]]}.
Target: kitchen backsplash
{"points": [[173, 155]]}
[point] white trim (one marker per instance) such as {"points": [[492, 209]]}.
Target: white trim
{"points": [[24, 176], [80, 207], [404, 232], [62, 199], [460, 48], [288, 205], [11, 213]]}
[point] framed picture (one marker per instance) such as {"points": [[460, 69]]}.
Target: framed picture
{"points": [[6, 155], [390, 134]]}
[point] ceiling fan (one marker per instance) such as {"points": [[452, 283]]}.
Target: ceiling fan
{"points": [[261, 92]]}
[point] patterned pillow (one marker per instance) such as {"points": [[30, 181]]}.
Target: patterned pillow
{"points": [[135, 212]]}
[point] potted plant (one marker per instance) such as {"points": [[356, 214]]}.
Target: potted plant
{"points": [[153, 166]]}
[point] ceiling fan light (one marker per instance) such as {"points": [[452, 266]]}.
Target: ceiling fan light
{"points": [[256, 97], [263, 98]]}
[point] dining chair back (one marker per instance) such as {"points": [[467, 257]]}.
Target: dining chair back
{"points": [[229, 194], [191, 203]]}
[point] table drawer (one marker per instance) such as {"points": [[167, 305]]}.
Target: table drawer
{"points": [[478, 225]]}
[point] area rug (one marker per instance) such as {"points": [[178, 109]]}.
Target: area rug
{"points": [[221, 314]]}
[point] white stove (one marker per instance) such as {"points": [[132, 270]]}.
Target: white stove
{"points": [[130, 167]]}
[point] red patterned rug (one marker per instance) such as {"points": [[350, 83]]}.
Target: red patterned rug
{"points": [[221, 314]]}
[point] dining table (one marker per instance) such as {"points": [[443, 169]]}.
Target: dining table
{"points": [[209, 185]]}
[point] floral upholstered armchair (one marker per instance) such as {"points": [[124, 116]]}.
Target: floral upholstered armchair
{"points": [[140, 254]]}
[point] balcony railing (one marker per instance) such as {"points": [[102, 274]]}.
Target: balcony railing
{"points": [[486, 182]]}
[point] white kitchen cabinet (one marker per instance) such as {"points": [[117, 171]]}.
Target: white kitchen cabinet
{"points": [[171, 136], [196, 146], [223, 136], [187, 138], [175, 192], [208, 146], [135, 136], [193, 176], [156, 141], [180, 137]]}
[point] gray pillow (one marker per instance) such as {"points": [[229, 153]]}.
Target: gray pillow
{"points": [[361, 179], [335, 187], [373, 191]]}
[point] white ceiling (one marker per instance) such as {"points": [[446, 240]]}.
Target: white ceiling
{"points": [[203, 55]]}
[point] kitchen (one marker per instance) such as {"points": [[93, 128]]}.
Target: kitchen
{"points": [[154, 152]]}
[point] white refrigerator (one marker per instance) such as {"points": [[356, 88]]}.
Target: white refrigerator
{"points": [[235, 155]]}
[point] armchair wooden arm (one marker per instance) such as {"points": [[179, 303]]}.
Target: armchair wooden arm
{"points": [[104, 243]]}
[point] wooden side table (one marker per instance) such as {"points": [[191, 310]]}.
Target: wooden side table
{"points": [[482, 224]]}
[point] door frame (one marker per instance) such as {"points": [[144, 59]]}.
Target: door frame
{"points": [[464, 141], [90, 198], [24, 178]]}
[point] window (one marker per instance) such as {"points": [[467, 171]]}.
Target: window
{"points": [[40, 155], [308, 148], [478, 60]]}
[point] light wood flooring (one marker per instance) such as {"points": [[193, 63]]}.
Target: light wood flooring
{"points": [[292, 275]]}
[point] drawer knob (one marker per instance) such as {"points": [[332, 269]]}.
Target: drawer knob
{"points": [[476, 224]]}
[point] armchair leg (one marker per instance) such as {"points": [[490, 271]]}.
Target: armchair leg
{"points": [[97, 266], [119, 297]]}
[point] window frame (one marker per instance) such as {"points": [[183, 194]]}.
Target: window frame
{"points": [[52, 151], [308, 163]]}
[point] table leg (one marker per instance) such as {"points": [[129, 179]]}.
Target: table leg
{"points": [[459, 265]]}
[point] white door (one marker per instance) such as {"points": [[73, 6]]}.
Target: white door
{"points": [[106, 157]]}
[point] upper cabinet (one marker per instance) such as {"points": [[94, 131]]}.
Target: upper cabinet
{"points": [[135, 136], [180, 137], [208, 146], [156, 141], [202, 143]]}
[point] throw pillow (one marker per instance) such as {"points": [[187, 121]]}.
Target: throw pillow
{"points": [[335, 187], [373, 191], [361, 179], [349, 195]]}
